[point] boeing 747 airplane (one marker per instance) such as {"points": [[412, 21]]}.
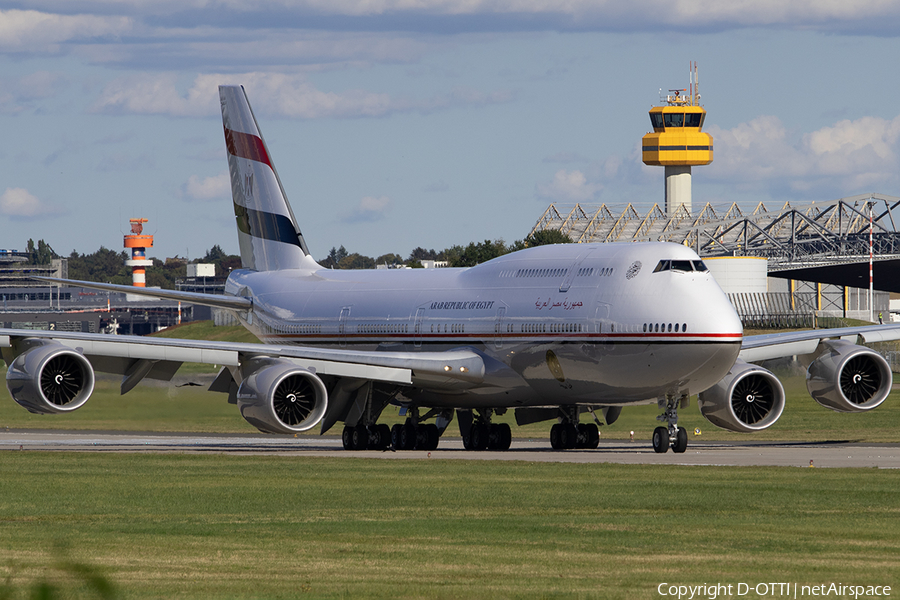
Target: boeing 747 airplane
{"points": [[554, 333]]}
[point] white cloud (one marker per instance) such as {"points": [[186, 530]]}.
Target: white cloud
{"points": [[848, 157], [500, 15], [20, 203], [568, 186], [280, 94], [34, 31], [368, 210], [207, 188]]}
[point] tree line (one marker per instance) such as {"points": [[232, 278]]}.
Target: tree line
{"points": [[109, 265]]}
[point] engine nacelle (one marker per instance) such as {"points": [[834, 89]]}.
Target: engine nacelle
{"points": [[748, 399], [849, 378], [280, 397], [49, 378]]}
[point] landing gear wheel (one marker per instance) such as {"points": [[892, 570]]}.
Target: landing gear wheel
{"points": [[568, 436], [379, 437], [505, 437], [500, 437], [427, 437], [588, 436], [680, 444], [359, 438], [554, 437], [347, 438], [661, 440], [395, 436], [478, 438], [408, 436]]}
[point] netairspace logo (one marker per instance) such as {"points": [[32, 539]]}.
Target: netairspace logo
{"points": [[774, 590]]}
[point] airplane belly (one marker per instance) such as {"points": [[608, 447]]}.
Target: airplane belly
{"points": [[622, 373]]}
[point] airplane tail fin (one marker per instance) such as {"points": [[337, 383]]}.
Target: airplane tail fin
{"points": [[267, 230]]}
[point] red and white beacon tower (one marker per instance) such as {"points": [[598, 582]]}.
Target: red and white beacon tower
{"points": [[138, 244]]}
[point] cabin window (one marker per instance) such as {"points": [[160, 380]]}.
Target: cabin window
{"points": [[656, 119], [693, 119]]}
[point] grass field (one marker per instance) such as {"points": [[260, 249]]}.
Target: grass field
{"points": [[208, 526]]}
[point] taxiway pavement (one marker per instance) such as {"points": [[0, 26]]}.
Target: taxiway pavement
{"points": [[751, 453]]}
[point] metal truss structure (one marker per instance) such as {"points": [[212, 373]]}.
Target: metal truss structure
{"points": [[817, 234]]}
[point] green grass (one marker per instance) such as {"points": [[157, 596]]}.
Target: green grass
{"points": [[210, 526]]}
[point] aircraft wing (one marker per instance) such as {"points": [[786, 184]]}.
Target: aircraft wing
{"points": [[777, 345], [160, 358]]}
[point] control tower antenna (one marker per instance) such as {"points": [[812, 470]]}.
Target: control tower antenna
{"points": [[677, 142]]}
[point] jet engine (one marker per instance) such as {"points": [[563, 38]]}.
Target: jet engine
{"points": [[748, 399], [849, 378], [280, 397], [49, 378]]}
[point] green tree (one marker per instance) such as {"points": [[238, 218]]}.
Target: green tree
{"points": [[475, 254], [103, 265], [421, 254], [547, 236], [389, 259], [40, 255], [214, 255], [356, 261]]}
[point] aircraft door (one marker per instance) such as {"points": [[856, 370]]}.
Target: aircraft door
{"points": [[601, 317], [499, 326], [342, 325], [417, 327], [573, 271]]}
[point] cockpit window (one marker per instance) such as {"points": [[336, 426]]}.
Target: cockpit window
{"points": [[685, 266]]}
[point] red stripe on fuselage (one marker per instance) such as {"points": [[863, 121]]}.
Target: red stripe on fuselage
{"points": [[245, 145]]}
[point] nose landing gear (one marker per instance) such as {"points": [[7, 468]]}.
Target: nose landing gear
{"points": [[674, 436]]}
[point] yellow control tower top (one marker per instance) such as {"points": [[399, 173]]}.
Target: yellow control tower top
{"points": [[677, 139]]}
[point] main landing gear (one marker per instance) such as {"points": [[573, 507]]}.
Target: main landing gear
{"points": [[414, 434], [673, 435], [478, 433], [569, 433], [366, 437]]}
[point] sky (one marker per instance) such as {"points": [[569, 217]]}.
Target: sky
{"points": [[395, 124]]}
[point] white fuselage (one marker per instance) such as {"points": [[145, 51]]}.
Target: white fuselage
{"points": [[577, 323]]}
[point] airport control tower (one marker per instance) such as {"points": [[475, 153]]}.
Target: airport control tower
{"points": [[138, 244], [677, 142]]}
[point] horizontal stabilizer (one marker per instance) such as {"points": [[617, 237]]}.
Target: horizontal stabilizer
{"points": [[214, 300]]}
